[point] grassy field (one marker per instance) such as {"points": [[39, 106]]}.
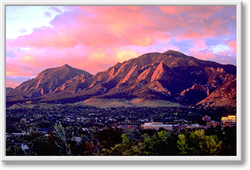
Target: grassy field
{"points": [[104, 103], [30, 106]]}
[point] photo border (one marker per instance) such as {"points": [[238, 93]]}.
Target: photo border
{"points": [[238, 157]]}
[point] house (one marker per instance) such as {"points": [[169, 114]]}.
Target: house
{"points": [[196, 125], [76, 139], [24, 147], [179, 126], [206, 118], [213, 123], [222, 124], [85, 129], [44, 130], [20, 134], [67, 119], [23, 120], [127, 120], [128, 127], [157, 126], [180, 121]]}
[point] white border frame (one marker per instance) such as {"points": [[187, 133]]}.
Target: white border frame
{"points": [[237, 3]]}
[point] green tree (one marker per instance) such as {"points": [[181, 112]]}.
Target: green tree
{"points": [[160, 143], [60, 140], [146, 147], [120, 148], [182, 144], [197, 143]]}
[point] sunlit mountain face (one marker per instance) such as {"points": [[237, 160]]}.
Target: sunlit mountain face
{"points": [[171, 76]]}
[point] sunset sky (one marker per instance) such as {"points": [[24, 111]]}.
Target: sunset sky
{"points": [[93, 38]]}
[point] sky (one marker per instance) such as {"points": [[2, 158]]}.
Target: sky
{"points": [[94, 38]]}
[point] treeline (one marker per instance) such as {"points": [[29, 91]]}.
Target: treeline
{"points": [[115, 141]]}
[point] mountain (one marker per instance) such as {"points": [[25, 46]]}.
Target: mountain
{"points": [[46, 82], [225, 95], [8, 88], [171, 76]]}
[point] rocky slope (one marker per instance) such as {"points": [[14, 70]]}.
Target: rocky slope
{"points": [[47, 82], [171, 76], [225, 95]]}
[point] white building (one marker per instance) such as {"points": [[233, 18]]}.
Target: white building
{"points": [[24, 147], [157, 126], [77, 139]]}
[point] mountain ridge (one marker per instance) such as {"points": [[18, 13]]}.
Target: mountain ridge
{"points": [[171, 76], [47, 81]]}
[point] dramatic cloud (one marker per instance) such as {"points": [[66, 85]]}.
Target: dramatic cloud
{"points": [[94, 38]]}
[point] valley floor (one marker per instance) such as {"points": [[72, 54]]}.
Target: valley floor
{"points": [[38, 129]]}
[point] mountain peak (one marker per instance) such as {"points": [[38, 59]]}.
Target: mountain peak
{"points": [[47, 81], [150, 76], [175, 53], [66, 66]]}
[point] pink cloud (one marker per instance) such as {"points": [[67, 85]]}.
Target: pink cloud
{"points": [[201, 51], [93, 38], [133, 8], [169, 9], [15, 68], [97, 26], [31, 62], [191, 34], [232, 45], [192, 11], [202, 54], [71, 29]]}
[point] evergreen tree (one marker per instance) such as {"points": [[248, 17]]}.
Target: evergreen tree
{"points": [[60, 140]]}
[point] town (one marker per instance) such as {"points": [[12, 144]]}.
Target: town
{"points": [[26, 122]]}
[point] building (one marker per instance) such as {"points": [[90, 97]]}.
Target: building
{"points": [[206, 118], [127, 127], [214, 124], [157, 126], [179, 126], [76, 139], [21, 134], [127, 121], [24, 147], [194, 126], [230, 119], [44, 130], [23, 120]]}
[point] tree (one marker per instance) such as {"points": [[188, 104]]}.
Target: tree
{"points": [[197, 143], [159, 143], [60, 140], [14, 150], [120, 148], [42, 146], [181, 144], [109, 137], [146, 147]]}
